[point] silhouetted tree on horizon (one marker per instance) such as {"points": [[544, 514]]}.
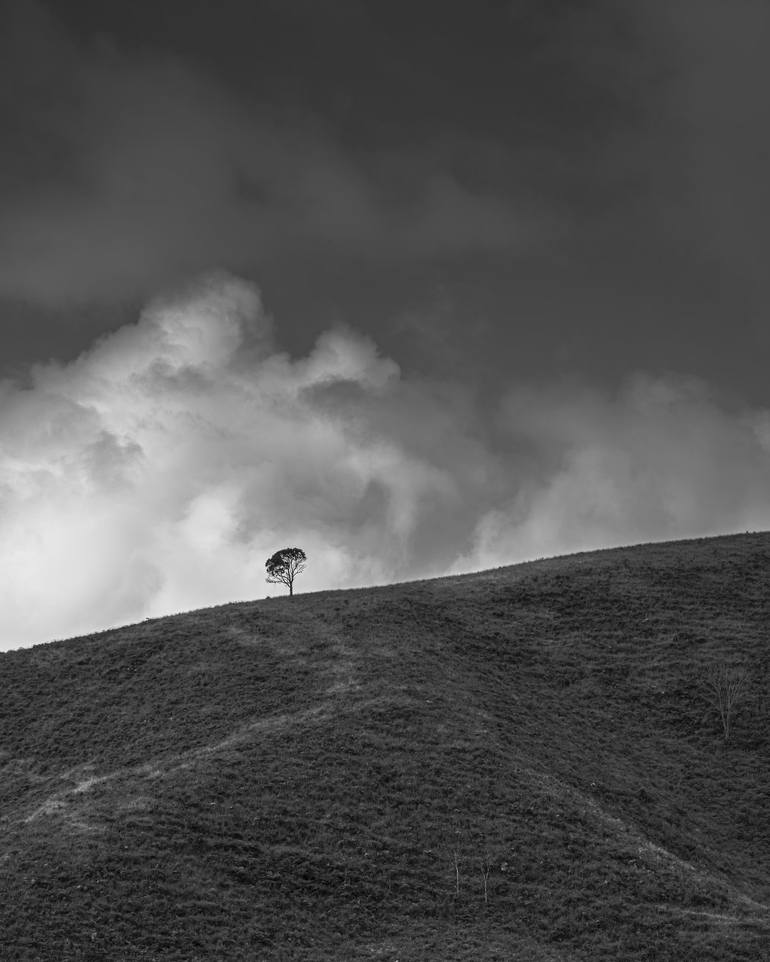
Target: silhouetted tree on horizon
{"points": [[284, 566]]}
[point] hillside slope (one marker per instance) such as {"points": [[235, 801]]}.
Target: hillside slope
{"points": [[516, 764]]}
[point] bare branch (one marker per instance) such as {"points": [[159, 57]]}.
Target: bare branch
{"points": [[725, 688]]}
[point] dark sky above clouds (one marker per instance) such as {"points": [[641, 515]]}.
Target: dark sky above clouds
{"points": [[424, 286]]}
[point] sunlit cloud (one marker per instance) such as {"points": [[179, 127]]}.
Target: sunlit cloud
{"points": [[158, 470]]}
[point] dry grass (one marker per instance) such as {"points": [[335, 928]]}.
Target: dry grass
{"points": [[332, 778]]}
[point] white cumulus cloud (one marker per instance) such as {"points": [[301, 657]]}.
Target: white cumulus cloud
{"points": [[158, 471]]}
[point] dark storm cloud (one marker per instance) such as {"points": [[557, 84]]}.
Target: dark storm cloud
{"points": [[521, 155], [128, 170], [719, 106]]}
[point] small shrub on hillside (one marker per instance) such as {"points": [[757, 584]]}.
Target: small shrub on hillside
{"points": [[725, 688]]}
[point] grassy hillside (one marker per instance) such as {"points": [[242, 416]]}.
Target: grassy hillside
{"points": [[516, 764]]}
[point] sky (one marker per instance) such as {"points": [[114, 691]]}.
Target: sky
{"points": [[420, 287]]}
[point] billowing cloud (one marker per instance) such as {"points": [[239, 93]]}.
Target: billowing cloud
{"points": [[158, 471], [660, 460]]}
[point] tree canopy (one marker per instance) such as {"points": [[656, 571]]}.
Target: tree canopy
{"points": [[284, 566]]}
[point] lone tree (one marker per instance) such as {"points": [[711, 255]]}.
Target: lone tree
{"points": [[284, 567]]}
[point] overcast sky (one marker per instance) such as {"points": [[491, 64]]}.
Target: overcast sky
{"points": [[420, 287]]}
